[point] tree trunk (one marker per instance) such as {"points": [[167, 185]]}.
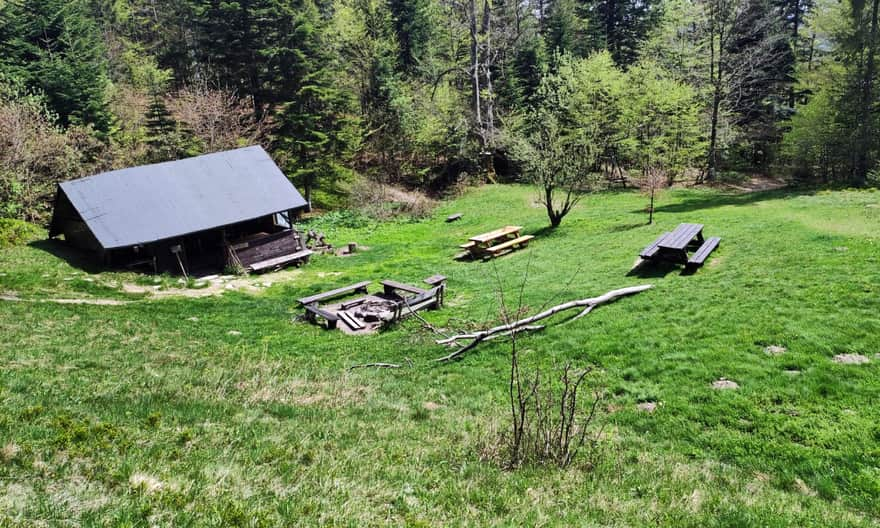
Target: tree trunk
{"points": [[715, 78], [794, 39], [867, 115], [475, 64], [555, 218], [487, 129]]}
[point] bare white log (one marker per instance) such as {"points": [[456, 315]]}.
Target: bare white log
{"points": [[517, 326]]}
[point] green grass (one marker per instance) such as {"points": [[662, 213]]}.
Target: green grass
{"points": [[136, 415]]}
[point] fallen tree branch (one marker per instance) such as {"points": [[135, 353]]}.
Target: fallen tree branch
{"points": [[375, 365], [526, 324]]}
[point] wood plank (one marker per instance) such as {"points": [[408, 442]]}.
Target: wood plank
{"points": [[351, 304], [520, 241], [331, 318], [359, 286], [453, 217], [681, 236], [434, 280], [391, 285], [280, 261], [498, 233], [468, 245], [350, 320], [651, 249], [429, 298], [704, 251]]}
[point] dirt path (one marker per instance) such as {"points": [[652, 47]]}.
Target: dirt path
{"points": [[98, 302]]}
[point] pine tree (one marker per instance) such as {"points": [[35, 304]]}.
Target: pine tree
{"points": [[54, 47], [412, 26], [161, 132], [620, 26]]}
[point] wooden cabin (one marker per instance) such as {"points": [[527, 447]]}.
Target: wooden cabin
{"points": [[228, 209]]}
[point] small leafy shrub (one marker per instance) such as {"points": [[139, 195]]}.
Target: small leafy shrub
{"points": [[329, 223], [18, 232]]}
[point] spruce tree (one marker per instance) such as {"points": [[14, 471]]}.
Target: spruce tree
{"points": [[54, 47]]}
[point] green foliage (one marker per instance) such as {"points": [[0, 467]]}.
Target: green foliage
{"points": [[36, 154], [621, 26], [17, 232], [55, 47], [661, 126], [815, 142]]}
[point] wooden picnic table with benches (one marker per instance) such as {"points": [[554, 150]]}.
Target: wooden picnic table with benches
{"points": [[674, 246], [496, 242]]}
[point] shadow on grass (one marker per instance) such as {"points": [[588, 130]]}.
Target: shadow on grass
{"points": [[720, 200], [626, 227], [79, 259], [649, 269]]}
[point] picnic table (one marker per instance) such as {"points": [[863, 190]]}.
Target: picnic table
{"points": [[674, 246], [496, 242]]}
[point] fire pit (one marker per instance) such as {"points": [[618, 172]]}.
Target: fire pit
{"points": [[376, 310]]}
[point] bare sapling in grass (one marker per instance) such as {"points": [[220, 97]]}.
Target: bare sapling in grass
{"points": [[652, 182], [550, 423]]}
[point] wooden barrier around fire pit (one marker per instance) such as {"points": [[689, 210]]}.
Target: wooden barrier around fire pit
{"points": [[372, 311]]}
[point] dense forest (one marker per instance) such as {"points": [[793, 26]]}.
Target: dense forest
{"points": [[429, 94]]}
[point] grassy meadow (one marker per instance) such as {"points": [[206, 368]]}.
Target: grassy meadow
{"points": [[224, 411]]}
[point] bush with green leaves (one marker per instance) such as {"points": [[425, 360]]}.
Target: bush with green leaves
{"points": [[17, 233]]}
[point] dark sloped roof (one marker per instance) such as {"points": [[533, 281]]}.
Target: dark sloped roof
{"points": [[154, 202]]}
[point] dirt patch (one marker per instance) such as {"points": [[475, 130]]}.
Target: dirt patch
{"points": [[216, 285], [9, 452], [145, 483], [756, 184], [724, 384], [431, 406], [775, 350], [801, 487], [851, 359], [647, 407]]}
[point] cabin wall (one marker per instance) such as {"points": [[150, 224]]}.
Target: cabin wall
{"points": [[68, 222]]}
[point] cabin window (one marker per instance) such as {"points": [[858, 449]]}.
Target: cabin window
{"points": [[281, 220]]}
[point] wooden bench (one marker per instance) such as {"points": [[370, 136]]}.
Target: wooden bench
{"points": [[391, 286], [651, 250], [313, 312], [522, 241], [467, 245], [434, 280], [277, 262], [432, 298], [357, 287], [703, 252]]}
